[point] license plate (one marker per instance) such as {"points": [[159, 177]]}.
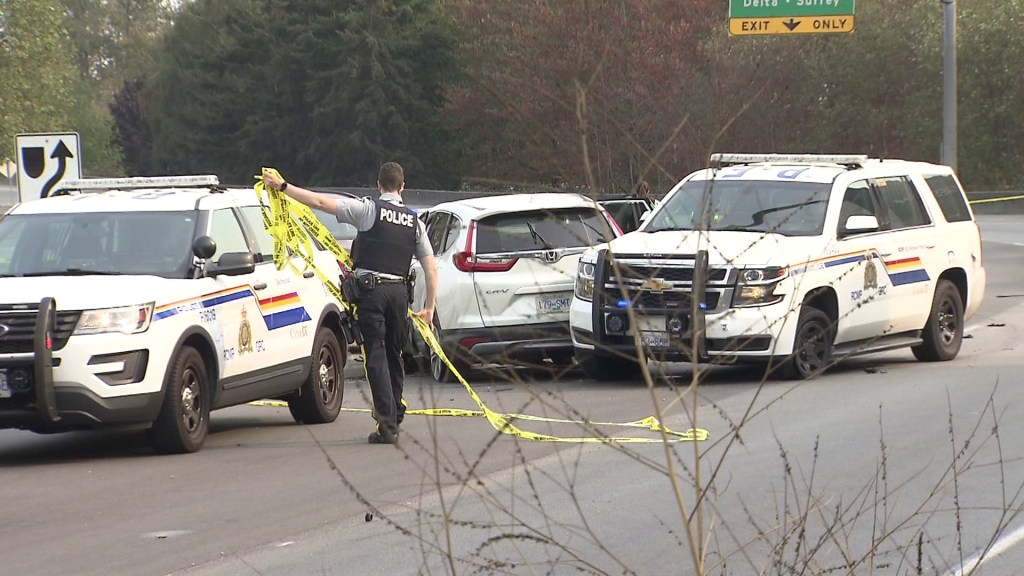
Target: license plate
{"points": [[5, 388], [654, 339], [553, 304]]}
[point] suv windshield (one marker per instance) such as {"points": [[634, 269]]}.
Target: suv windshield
{"points": [[539, 230], [781, 207], [142, 243]]}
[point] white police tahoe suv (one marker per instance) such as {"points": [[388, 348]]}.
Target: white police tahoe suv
{"points": [[154, 301], [792, 260]]}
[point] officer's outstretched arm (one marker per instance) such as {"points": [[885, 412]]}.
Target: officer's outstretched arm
{"points": [[430, 271], [324, 202]]}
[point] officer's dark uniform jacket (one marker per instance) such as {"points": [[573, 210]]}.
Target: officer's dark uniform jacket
{"points": [[389, 245]]}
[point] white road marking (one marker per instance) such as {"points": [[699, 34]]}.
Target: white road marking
{"points": [[1001, 545]]}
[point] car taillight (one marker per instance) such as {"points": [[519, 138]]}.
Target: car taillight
{"points": [[466, 261]]}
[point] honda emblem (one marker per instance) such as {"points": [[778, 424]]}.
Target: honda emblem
{"points": [[550, 256]]}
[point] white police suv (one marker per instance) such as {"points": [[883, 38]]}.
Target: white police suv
{"points": [[154, 301], [791, 260]]}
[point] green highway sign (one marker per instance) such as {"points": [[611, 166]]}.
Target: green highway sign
{"points": [[787, 8]]}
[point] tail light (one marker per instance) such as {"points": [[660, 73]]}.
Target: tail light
{"points": [[466, 261]]}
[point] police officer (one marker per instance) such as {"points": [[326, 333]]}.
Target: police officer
{"points": [[389, 236]]}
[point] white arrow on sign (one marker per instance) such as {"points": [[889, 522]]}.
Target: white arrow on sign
{"points": [[46, 160]]}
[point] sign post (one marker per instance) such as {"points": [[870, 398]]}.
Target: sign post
{"points": [[46, 160], [760, 17]]}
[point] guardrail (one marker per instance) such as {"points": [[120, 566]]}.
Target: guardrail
{"points": [[994, 203], [419, 197]]}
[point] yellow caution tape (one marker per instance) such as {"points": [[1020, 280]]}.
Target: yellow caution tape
{"points": [[1004, 199], [292, 224]]}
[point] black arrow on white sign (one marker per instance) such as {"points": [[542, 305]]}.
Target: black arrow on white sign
{"points": [[61, 153], [792, 24]]}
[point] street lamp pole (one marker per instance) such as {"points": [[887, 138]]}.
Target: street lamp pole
{"points": [[949, 84]]}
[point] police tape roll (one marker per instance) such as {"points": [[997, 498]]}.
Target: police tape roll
{"points": [[292, 226]]}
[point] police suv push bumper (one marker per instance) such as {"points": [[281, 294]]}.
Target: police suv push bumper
{"points": [[684, 325], [44, 408]]}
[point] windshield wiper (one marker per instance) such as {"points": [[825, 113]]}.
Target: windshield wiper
{"points": [[668, 229], [72, 272], [737, 228], [536, 236]]}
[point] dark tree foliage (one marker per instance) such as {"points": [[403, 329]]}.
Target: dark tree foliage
{"points": [[324, 90], [131, 132]]}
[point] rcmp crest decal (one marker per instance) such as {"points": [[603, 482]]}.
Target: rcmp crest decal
{"points": [[870, 273], [244, 334]]}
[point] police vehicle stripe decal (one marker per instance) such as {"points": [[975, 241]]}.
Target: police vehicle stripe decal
{"points": [[277, 311], [901, 272]]}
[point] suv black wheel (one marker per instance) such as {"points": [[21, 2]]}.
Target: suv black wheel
{"points": [[184, 419], [438, 369], [812, 346], [944, 331], [609, 367], [319, 400]]}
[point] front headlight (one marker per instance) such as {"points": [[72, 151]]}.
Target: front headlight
{"points": [[758, 287], [585, 281], [127, 320]]}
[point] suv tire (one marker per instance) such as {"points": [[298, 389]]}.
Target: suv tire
{"points": [[184, 419], [812, 345], [319, 400], [608, 368], [438, 369], [944, 331]]}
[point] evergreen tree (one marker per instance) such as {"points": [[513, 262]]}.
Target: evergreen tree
{"points": [[325, 90]]}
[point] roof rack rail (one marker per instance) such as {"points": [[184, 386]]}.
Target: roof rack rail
{"points": [[196, 181], [719, 160]]}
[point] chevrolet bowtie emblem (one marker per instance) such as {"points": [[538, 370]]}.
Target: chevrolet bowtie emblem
{"points": [[655, 285]]}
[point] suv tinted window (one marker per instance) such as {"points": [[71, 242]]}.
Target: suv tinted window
{"points": [[264, 241], [453, 232], [437, 225], [949, 197], [227, 233], [856, 202], [625, 214], [539, 230], [902, 202]]}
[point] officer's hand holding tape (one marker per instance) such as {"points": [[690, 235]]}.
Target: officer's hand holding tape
{"points": [[282, 218]]}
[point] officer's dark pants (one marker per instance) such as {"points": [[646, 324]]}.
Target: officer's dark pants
{"points": [[383, 321]]}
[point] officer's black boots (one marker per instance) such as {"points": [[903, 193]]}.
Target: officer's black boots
{"points": [[377, 438]]}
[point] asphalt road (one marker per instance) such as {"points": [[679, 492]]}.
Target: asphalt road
{"points": [[850, 468]]}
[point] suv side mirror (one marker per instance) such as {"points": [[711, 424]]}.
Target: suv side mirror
{"points": [[204, 247], [861, 223], [232, 264]]}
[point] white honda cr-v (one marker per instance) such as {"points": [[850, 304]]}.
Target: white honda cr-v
{"points": [[506, 269]]}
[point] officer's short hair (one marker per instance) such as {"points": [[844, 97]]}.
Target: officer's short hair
{"points": [[391, 177]]}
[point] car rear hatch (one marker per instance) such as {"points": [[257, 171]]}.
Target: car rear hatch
{"points": [[524, 263]]}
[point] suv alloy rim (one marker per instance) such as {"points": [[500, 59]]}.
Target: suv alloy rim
{"points": [[328, 375], [191, 401]]}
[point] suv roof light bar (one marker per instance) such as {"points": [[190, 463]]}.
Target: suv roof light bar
{"points": [[140, 182], [848, 160]]}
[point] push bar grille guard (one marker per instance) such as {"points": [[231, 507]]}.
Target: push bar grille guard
{"points": [[45, 406], [604, 273]]}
